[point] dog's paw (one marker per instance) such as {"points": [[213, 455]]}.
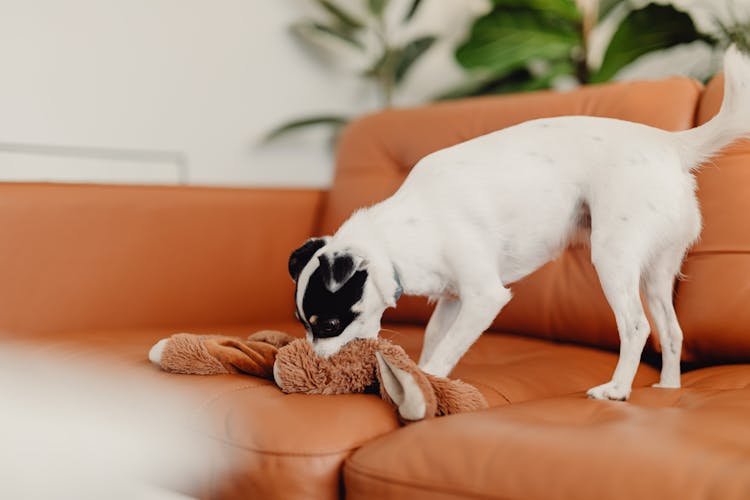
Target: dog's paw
{"points": [[610, 391], [154, 355], [667, 385]]}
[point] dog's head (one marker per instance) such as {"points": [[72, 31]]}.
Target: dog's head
{"points": [[341, 294]]}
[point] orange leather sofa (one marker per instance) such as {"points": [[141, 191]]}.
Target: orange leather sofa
{"points": [[110, 270]]}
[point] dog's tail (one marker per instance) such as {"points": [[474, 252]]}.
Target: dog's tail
{"points": [[733, 120]]}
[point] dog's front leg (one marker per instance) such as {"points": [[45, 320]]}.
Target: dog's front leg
{"points": [[440, 322], [476, 310]]}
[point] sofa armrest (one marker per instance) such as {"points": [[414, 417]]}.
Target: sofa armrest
{"points": [[79, 257]]}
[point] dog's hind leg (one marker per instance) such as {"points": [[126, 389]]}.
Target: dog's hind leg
{"points": [[619, 273], [658, 284], [440, 322]]}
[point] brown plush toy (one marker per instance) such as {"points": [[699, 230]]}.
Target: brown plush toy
{"points": [[365, 365]]}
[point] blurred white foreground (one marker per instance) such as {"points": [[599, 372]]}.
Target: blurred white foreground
{"points": [[72, 430]]}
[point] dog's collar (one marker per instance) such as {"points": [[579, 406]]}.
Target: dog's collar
{"points": [[399, 288]]}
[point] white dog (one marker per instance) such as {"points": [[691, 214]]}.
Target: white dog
{"points": [[472, 219]]}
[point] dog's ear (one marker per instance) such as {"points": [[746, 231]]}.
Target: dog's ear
{"points": [[387, 282], [338, 268], [300, 257]]}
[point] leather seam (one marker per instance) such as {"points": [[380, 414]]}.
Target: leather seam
{"points": [[152, 187], [718, 252], [364, 169], [482, 384], [290, 454], [359, 469], [214, 398], [322, 204]]}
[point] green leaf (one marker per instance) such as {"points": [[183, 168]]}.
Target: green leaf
{"points": [[312, 30], [412, 10], [654, 27], [334, 121], [527, 81], [395, 63], [737, 32], [342, 17], [409, 55], [377, 6], [565, 9], [385, 64], [506, 39], [521, 80]]}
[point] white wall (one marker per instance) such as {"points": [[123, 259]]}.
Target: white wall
{"points": [[169, 91]]}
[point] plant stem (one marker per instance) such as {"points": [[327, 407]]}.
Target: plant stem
{"points": [[386, 77], [386, 87], [589, 14]]}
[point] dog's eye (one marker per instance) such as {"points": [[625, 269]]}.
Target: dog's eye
{"points": [[329, 326]]}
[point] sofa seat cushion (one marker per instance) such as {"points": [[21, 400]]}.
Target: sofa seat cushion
{"points": [[294, 446], [686, 443], [272, 445], [514, 368]]}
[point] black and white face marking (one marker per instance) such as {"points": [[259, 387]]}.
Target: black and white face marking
{"points": [[327, 314], [328, 289], [335, 297]]}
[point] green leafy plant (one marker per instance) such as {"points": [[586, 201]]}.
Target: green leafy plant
{"points": [[524, 45], [386, 66], [518, 45], [737, 32]]}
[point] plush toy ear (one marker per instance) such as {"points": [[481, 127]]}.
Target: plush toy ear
{"points": [[407, 388], [338, 268], [300, 257]]}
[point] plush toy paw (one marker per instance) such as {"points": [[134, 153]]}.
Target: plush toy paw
{"points": [[216, 354], [156, 352]]}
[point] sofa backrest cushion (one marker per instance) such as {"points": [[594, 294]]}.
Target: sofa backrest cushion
{"points": [[713, 299], [563, 300], [93, 257]]}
